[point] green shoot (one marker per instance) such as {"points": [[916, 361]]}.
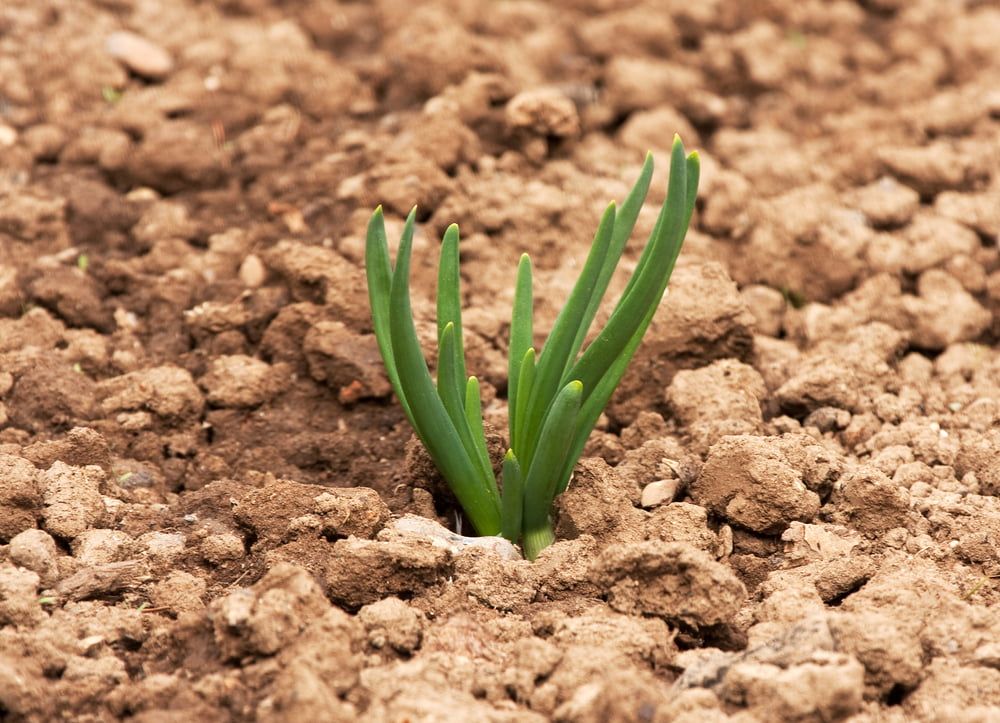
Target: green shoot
{"points": [[554, 397]]}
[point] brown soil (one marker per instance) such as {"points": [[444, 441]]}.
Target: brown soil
{"points": [[790, 512]]}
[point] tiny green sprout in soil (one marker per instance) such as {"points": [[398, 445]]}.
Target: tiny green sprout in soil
{"points": [[111, 94], [555, 395]]}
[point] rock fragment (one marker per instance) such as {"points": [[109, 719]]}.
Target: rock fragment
{"points": [[750, 481], [545, 111], [19, 596], [723, 398], [672, 580], [392, 623], [72, 499], [345, 360], [168, 391], [239, 381], [140, 55], [35, 550], [360, 572], [268, 617], [20, 495]]}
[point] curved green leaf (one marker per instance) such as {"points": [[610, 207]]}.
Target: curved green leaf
{"points": [[556, 352], [649, 281], [542, 477], [378, 270], [431, 420], [624, 223], [521, 331], [512, 508]]}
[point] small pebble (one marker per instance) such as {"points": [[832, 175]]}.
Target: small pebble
{"points": [[142, 194], [439, 536], [8, 135], [660, 492], [35, 550], [163, 546], [141, 56], [97, 547], [252, 271], [221, 548], [988, 655]]}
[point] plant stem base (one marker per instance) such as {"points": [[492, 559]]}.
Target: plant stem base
{"points": [[536, 540]]}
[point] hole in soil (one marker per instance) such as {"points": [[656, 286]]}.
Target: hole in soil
{"points": [[691, 42], [897, 694], [249, 540], [723, 637], [836, 600], [129, 644]]}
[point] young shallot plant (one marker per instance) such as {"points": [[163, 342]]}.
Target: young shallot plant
{"points": [[556, 395]]}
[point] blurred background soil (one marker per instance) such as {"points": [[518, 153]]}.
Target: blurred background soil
{"points": [[789, 512]]}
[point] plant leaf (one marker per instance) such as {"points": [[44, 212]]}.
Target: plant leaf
{"points": [[521, 322], [525, 383], [558, 346], [453, 395], [649, 281], [542, 478], [431, 420], [599, 397], [624, 223], [512, 508], [378, 271], [449, 301], [597, 400], [474, 418]]}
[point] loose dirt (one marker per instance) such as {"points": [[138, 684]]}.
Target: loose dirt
{"points": [[790, 511]]}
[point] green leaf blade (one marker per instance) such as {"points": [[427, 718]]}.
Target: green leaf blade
{"points": [[649, 282], [598, 399], [449, 297], [474, 418], [454, 400], [556, 351], [378, 270], [624, 223], [525, 385], [431, 420], [542, 478], [521, 331], [512, 510]]}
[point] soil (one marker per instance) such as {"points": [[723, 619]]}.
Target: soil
{"points": [[789, 512]]}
